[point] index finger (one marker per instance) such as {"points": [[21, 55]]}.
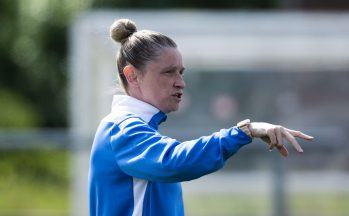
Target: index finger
{"points": [[293, 141], [299, 134]]}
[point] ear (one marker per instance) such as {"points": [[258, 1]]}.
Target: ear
{"points": [[131, 75]]}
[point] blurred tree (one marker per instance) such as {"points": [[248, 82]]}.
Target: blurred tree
{"points": [[16, 112], [33, 53]]}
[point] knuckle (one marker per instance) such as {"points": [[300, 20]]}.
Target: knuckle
{"points": [[279, 129]]}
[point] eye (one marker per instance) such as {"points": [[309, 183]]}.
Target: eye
{"points": [[169, 72], [181, 72]]}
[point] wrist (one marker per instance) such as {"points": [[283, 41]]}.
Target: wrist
{"points": [[245, 127]]}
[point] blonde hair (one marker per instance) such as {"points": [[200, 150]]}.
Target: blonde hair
{"points": [[137, 47]]}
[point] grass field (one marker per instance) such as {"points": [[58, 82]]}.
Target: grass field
{"points": [[36, 183], [250, 205]]}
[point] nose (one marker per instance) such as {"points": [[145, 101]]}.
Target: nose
{"points": [[179, 83]]}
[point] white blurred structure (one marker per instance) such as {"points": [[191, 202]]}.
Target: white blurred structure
{"points": [[208, 40]]}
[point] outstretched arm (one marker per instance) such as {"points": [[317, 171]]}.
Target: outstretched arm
{"points": [[142, 152]]}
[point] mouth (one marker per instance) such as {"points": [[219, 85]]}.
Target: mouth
{"points": [[178, 96]]}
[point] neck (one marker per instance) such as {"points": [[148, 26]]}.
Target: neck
{"points": [[136, 93]]}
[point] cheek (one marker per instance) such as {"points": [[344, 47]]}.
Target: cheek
{"points": [[164, 86], [159, 89]]}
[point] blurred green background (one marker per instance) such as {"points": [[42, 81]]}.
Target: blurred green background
{"points": [[33, 53], [33, 94]]}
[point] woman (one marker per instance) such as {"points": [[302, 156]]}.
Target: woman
{"points": [[134, 169]]}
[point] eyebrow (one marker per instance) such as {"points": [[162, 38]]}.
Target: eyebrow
{"points": [[172, 68]]}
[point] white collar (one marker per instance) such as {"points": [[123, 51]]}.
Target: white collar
{"points": [[133, 105]]}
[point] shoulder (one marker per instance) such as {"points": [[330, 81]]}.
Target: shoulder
{"points": [[130, 129], [125, 122]]}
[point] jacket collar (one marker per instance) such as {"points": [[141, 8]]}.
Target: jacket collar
{"points": [[150, 114]]}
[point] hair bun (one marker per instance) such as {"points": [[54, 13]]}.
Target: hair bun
{"points": [[121, 29]]}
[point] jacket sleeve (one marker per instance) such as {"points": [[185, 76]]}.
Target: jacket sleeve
{"points": [[142, 152]]}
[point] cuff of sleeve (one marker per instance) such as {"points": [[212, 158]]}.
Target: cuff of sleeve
{"points": [[246, 131], [234, 141], [244, 136]]}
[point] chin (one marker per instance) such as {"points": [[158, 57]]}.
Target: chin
{"points": [[171, 109]]}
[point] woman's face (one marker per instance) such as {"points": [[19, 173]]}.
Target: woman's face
{"points": [[162, 83]]}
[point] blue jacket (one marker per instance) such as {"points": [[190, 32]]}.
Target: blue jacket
{"points": [[134, 170]]}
